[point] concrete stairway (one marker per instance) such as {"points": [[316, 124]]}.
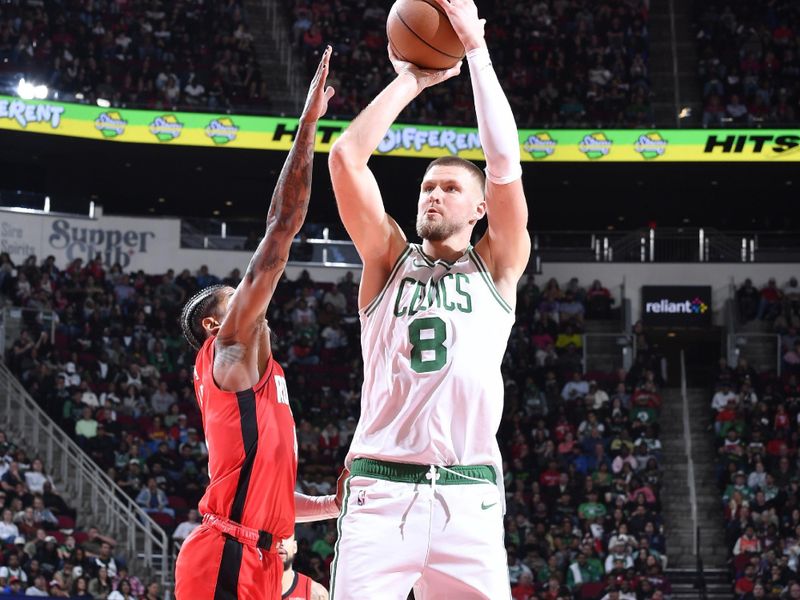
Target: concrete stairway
{"points": [[662, 67], [686, 584], [603, 350], [761, 351], [273, 47], [679, 529]]}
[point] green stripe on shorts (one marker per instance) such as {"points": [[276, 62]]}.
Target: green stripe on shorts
{"points": [[339, 533], [411, 473]]}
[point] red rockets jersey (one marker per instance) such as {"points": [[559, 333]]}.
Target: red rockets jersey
{"points": [[300, 590], [252, 448]]}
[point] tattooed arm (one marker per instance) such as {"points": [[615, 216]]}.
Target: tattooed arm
{"points": [[244, 319]]}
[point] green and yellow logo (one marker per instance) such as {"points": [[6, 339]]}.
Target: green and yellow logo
{"points": [[222, 131], [166, 128], [651, 145], [110, 124], [540, 145], [595, 146]]}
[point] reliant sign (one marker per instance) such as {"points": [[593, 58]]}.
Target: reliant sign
{"points": [[676, 306]]}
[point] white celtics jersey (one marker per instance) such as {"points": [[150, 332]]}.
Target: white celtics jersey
{"points": [[432, 343]]}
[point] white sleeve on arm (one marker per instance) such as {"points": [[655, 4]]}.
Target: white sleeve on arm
{"points": [[496, 125], [314, 508]]}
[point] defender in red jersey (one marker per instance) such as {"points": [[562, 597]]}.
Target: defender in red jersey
{"points": [[296, 586], [250, 505]]}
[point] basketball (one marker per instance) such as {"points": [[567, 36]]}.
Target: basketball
{"points": [[420, 33]]}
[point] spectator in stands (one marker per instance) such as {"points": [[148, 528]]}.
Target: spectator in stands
{"points": [[153, 499], [100, 585], [542, 490], [723, 397], [607, 52], [525, 588], [80, 588], [136, 586], [744, 52], [13, 570], [583, 571], [86, 427], [185, 528], [598, 301], [624, 458], [39, 588], [791, 359], [35, 478], [748, 543], [104, 560], [8, 529], [162, 399], [770, 302], [42, 515], [571, 311], [575, 389], [335, 298], [122, 592]]}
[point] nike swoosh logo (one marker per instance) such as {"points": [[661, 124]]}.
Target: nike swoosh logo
{"points": [[485, 506]]}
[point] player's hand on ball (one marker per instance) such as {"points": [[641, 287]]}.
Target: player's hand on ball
{"points": [[318, 94], [463, 15], [425, 78]]}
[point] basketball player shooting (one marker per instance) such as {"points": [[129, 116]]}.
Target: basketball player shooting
{"points": [[424, 505], [250, 505]]}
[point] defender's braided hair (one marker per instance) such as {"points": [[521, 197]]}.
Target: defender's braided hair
{"points": [[201, 305]]}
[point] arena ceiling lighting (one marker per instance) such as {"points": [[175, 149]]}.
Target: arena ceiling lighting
{"points": [[30, 91]]}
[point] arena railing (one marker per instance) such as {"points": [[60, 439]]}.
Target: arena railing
{"points": [[280, 34], [682, 245], [687, 437], [100, 501], [14, 319], [608, 352], [762, 350]]}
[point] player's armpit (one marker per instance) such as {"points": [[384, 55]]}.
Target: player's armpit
{"points": [[377, 237], [358, 198]]}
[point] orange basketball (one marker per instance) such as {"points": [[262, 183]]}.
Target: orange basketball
{"points": [[420, 33]]}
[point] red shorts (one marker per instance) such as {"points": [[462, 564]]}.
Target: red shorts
{"points": [[215, 566]]}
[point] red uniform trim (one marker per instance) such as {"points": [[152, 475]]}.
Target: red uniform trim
{"points": [[300, 590]]}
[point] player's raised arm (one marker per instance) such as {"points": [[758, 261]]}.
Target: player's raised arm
{"points": [[287, 212], [377, 237], [506, 246]]}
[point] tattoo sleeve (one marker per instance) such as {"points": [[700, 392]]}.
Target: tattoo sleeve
{"points": [[289, 204]]}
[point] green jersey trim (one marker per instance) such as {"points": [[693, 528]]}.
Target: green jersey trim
{"points": [[487, 277], [439, 261], [370, 308]]}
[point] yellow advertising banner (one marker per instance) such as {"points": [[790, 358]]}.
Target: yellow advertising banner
{"points": [[421, 141]]}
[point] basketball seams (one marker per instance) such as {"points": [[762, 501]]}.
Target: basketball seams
{"points": [[396, 51], [436, 6], [423, 40]]}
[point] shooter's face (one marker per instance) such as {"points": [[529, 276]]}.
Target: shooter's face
{"points": [[450, 200]]}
